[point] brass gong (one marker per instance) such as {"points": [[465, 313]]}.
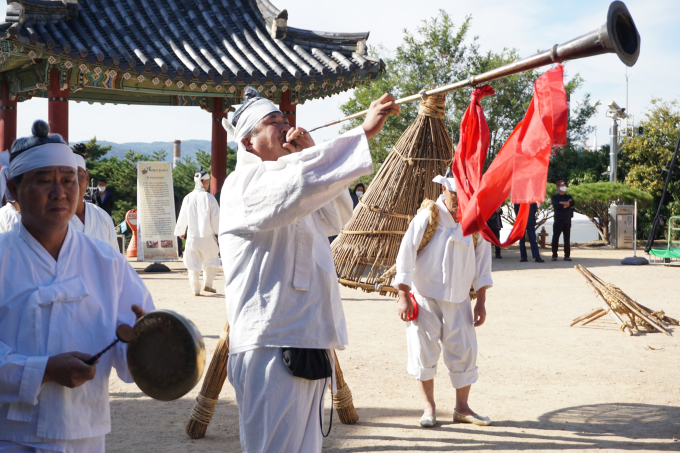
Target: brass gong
{"points": [[167, 358]]}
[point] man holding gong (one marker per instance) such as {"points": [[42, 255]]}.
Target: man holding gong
{"points": [[62, 296]]}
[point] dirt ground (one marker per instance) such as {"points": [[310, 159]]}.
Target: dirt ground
{"points": [[545, 385]]}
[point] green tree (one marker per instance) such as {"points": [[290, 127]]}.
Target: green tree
{"points": [[644, 160], [95, 151], [594, 199], [440, 53], [575, 165]]}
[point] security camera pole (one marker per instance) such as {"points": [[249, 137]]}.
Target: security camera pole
{"points": [[615, 113]]}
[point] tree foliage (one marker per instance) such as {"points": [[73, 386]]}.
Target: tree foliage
{"points": [[594, 200], [439, 53], [644, 160], [576, 165]]}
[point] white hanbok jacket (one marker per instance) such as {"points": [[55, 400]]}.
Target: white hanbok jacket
{"points": [[49, 307], [98, 224], [8, 217], [200, 213], [448, 265], [281, 284]]}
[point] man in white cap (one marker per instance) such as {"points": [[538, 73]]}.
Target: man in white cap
{"points": [[201, 214], [10, 213], [440, 278], [89, 218], [285, 197], [62, 295]]}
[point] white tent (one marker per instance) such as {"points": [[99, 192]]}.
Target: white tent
{"points": [[582, 230]]}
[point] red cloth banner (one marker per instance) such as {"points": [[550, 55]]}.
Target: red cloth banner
{"points": [[520, 168]]}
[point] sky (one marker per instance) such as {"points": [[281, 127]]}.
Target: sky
{"points": [[526, 25]]}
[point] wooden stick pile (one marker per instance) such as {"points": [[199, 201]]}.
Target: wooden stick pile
{"points": [[628, 314], [369, 244]]}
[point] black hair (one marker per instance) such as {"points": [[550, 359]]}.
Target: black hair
{"points": [[41, 131], [357, 186], [102, 179]]}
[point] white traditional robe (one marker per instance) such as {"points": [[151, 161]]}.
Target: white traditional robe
{"points": [[200, 213], [448, 265], [98, 224], [275, 219], [440, 278], [49, 307], [8, 217], [281, 284]]}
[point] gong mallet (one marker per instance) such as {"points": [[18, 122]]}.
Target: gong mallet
{"points": [[124, 333]]}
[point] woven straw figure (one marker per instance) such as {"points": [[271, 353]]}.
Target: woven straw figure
{"points": [[369, 244]]}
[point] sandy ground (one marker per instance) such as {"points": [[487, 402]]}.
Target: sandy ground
{"points": [[545, 385]]}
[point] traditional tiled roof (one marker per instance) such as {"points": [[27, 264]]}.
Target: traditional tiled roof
{"points": [[226, 43]]}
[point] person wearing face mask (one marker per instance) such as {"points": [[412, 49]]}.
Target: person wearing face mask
{"points": [[102, 197], [357, 193], [563, 204], [285, 197]]}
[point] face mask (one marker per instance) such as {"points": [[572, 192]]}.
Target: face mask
{"points": [[359, 193], [102, 189], [563, 188]]}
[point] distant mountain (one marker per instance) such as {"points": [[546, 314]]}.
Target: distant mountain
{"points": [[189, 148]]}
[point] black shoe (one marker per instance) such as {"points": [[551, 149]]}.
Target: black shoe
{"points": [[566, 258], [554, 258], [539, 260], [498, 256], [523, 260]]}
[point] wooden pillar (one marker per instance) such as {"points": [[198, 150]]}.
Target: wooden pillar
{"points": [[57, 106], [8, 118], [287, 108], [218, 149]]}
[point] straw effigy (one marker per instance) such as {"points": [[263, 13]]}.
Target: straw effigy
{"points": [[369, 243], [206, 400]]}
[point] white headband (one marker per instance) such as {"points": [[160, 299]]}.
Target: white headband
{"points": [[4, 175], [449, 183], [80, 161], [47, 155], [246, 122]]}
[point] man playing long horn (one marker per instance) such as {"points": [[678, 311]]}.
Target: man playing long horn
{"points": [[440, 277], [285, 197]]}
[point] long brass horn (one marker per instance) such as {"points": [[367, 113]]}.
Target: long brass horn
{"points": [[618, 35]]}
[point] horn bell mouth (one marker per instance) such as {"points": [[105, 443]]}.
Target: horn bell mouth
{"points": [[623, 33]]}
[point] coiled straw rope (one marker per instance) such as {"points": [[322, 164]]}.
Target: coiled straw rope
{"points": [[206, 400]]}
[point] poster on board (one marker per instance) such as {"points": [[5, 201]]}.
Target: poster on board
{"points": [[155, 212]]}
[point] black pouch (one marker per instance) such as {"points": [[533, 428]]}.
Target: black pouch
{"points": [[311, 364]]}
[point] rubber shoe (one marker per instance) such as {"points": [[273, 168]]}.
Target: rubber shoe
{"points": [[554, 258], [566, 258]]}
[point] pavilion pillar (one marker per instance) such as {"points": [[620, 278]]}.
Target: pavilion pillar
{"points": [[287, 108], [57, 105], [8, 118], [218, 149]]}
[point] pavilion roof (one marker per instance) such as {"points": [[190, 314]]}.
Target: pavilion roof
{"points": [[176, 44]]}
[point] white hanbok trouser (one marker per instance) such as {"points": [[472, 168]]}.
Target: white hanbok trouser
{"points": [[277, 411], [90, 445], [201, 253], [450, 324]]}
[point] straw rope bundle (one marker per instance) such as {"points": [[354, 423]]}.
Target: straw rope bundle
{"points": [[206, 400], [369, 244], [342, 401], [628, 314]]}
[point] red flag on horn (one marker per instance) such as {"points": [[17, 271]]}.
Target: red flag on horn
{"points": [[520, 168]]}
